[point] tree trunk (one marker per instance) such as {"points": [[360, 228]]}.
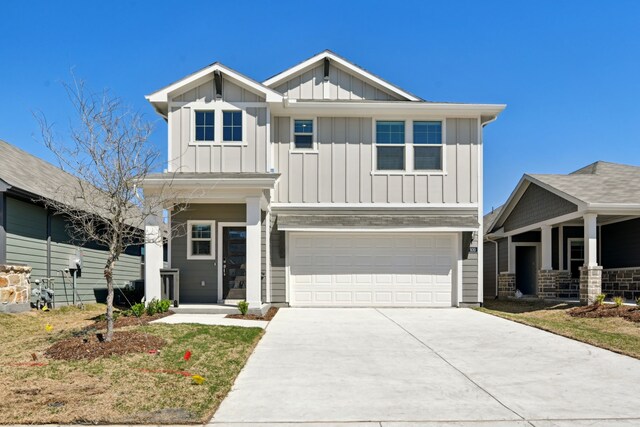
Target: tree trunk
{"points": [[108, 274]]}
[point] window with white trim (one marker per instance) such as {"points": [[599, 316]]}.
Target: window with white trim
{"points": [[200, 238], [205, 129], [303, 134], [232, 126], [427, 145], [390, 145]]}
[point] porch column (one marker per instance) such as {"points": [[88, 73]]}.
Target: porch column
{"points": [[591, 272], [253, 253], [153, 259], [546, 247]]}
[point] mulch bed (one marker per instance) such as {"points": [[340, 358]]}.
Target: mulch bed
{"points": [[89, 347], [268, 315], [123, 321], [595, 311]]}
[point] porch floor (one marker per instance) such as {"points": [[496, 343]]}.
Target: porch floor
{"points": [[215, 309]]}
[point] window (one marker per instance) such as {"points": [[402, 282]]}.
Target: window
{"points": [[204, 125], [200, 239], [575, 256], [232, 126], [390, 145], [303, 134], [427, 148]]}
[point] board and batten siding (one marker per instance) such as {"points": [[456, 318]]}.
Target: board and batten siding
{"points": [[247, 156], [340, 170], [341, 85], [27, 244], [194, 272], [278, 269], [470, 276]]}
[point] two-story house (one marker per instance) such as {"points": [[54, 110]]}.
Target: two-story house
{"points": [[324, 185]]}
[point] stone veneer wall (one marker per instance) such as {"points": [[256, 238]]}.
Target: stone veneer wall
{"points": [[557, 284], [506, 285], [622, 282], [14, 288]]}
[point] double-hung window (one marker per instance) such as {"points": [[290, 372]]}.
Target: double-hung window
{"points": [[232, 126], [303, 134], [427, 146], [205, 131], [200, 239], [390, 145]]}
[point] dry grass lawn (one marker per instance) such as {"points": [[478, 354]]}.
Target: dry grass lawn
{"points": [[115, 390], [614, 333]]}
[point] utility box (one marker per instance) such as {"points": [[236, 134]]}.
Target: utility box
{"points": [[75, 262]]}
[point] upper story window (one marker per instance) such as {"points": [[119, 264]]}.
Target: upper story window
{"points": [[303, 134], [232, 126], [390, 145], [200, 239], [205, 126], [427, 145]]}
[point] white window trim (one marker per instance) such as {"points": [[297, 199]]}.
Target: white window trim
{"points": [[408, 144], [212, 224], [292, 144], [218, 108], [569, 259]]}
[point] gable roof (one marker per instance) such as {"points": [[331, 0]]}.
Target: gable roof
{"points": [[597, 185], [26, 172], [160, 98], [355, 69]]}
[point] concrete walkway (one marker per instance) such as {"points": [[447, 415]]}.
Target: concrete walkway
{"points": [[211, 319], [410, 367]]}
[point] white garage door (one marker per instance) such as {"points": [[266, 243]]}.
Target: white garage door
{"points": [[371, 269]]}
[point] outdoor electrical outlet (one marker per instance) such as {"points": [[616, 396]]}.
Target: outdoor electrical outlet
{"points": [[202, 283]]}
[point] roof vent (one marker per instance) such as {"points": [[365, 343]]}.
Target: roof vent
{"points": [[217, 81], [326, 69]]}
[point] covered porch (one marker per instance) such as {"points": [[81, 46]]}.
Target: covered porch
{"points": [[217, 232]]}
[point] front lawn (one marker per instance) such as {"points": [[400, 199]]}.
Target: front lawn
{"points": [[613, 333], [150, 388]]}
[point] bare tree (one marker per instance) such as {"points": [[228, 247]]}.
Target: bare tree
{"points": [[109, 154]]}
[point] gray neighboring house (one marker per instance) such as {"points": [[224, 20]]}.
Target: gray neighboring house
{"points": [[324, 185], [567, 236], [31, 234]]}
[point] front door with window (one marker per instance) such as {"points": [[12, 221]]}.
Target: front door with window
{"points": [[234, 257]]}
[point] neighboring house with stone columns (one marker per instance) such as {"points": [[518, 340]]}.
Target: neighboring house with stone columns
{"points": [[567, 236], [34, 236], [323, 185]]}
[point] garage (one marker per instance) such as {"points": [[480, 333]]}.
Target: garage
{"points": [[371, 269]]}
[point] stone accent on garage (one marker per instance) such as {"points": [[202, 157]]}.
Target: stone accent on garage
{"points": [[590, 283], [506, 285], [14, 288], [621, 282]]}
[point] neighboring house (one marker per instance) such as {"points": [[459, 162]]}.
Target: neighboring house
{"points": [[321, 186], [567, 236], [33, 235]]}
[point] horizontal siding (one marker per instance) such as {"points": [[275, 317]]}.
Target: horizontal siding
{"points": [[278, 271], [340, 170], [620, 244], [27, 244], [194, 272], [470, 276], [503, 255], [489, 270]]}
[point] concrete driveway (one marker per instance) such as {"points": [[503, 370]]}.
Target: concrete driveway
{"points": [[427, 367]]}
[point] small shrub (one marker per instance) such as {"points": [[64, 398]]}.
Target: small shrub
{"points": [[638, 302], [152, 307], [138, 309], [163, 305], [600, 299], [243, 306], [618, 301]]}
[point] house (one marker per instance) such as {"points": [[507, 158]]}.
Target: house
{"points": [[324, 185], [567, 236], [32, 234]]}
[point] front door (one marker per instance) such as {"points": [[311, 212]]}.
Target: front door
{"points": [[526, 271], [234, 258]]}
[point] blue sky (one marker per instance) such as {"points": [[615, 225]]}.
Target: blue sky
{"points": [[568, 70]]}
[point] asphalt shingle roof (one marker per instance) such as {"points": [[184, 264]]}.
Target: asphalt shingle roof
{"points": [[599, 182]]}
